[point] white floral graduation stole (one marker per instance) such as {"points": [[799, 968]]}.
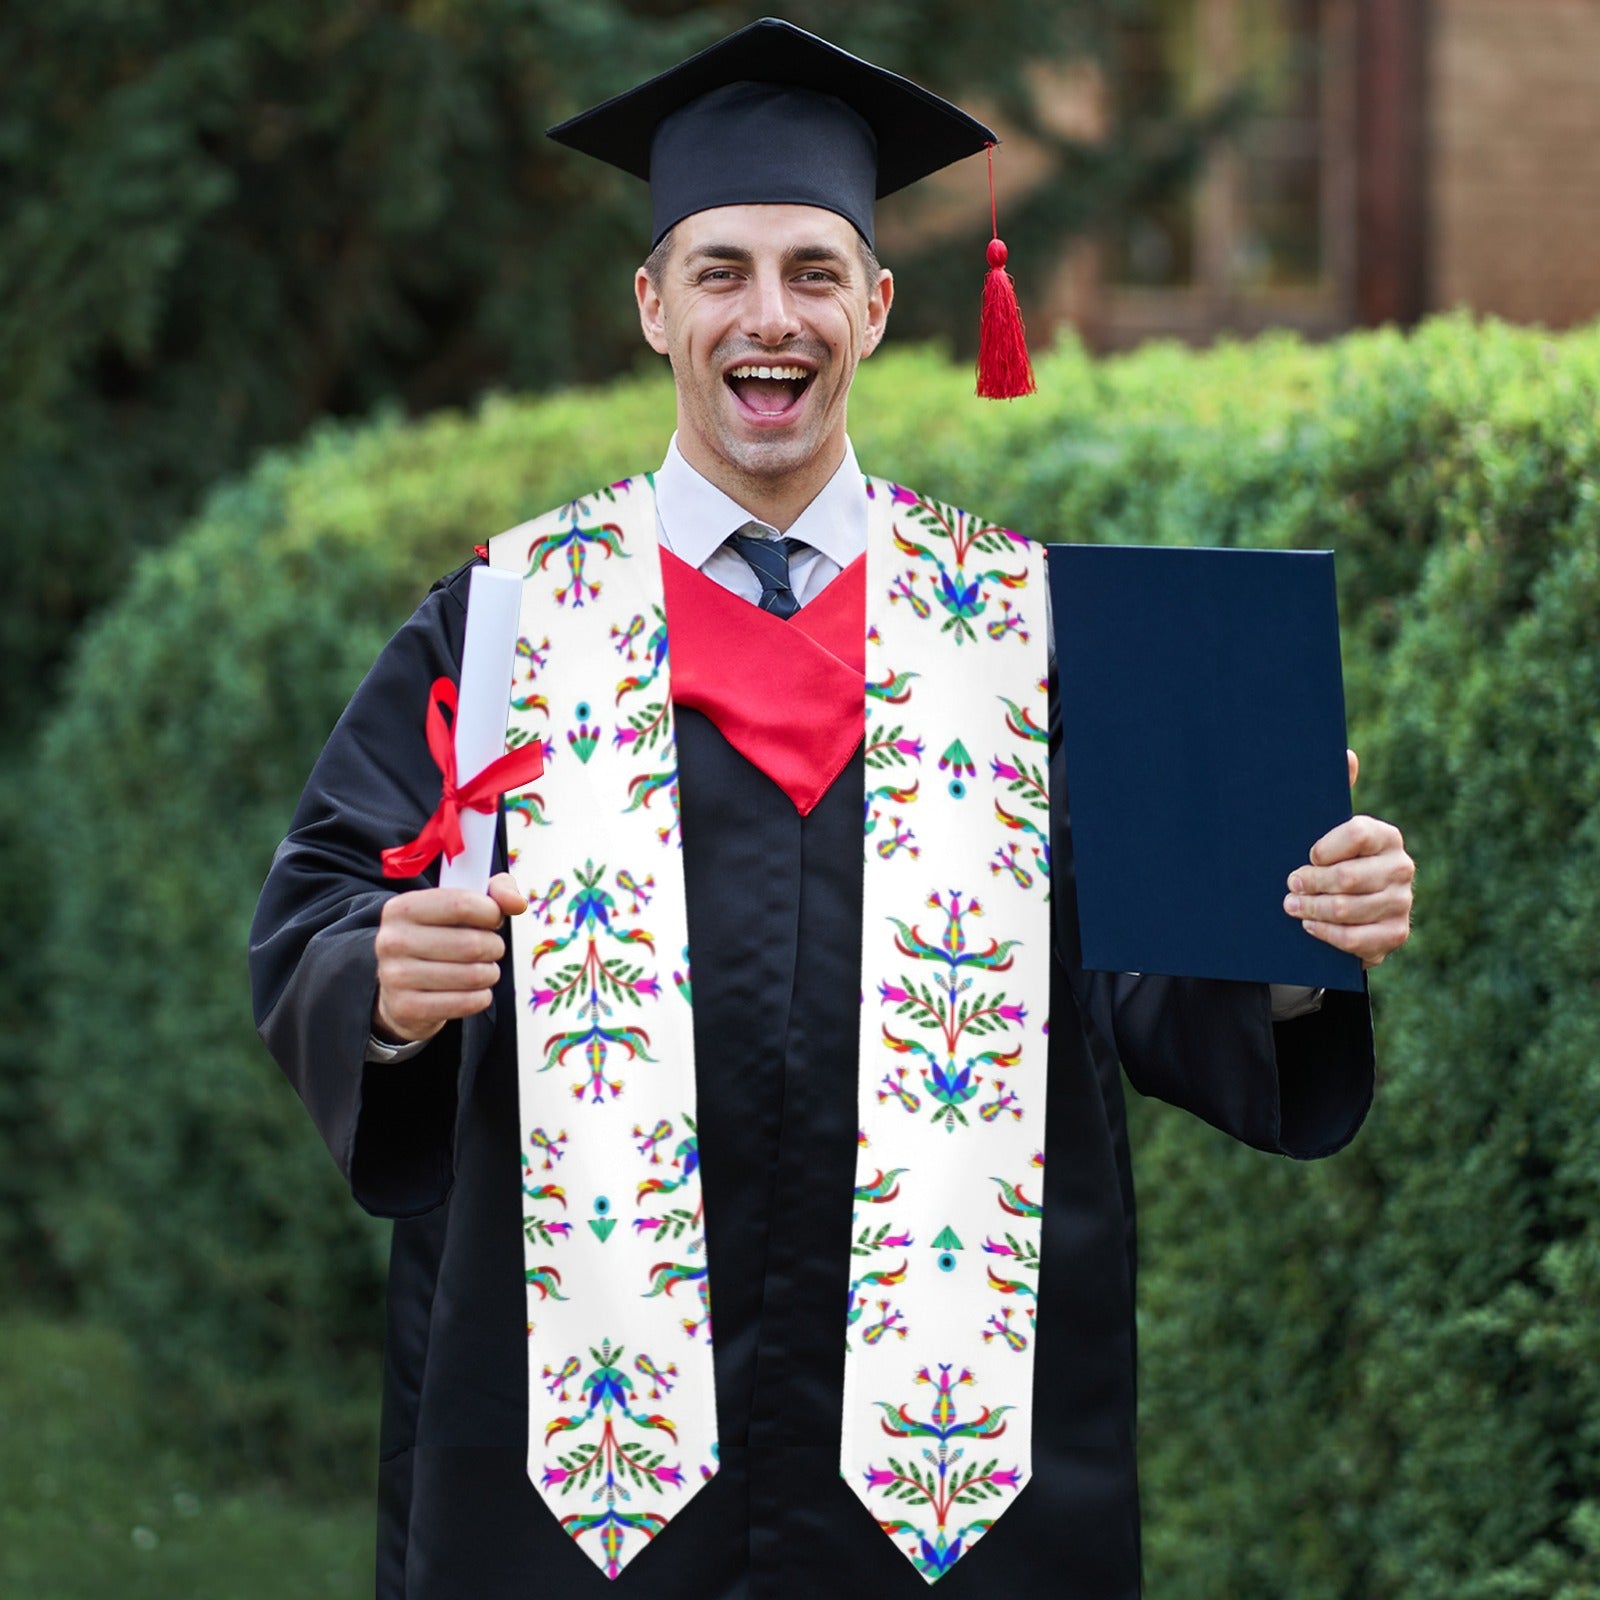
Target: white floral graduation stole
{"points": [[622, 1407], [944, 1272], [944, 1258]]}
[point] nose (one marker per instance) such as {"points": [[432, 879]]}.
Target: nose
{"points": [[771, 317]]}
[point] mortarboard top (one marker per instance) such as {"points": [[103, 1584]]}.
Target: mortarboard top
{"points": [[774, 115]]}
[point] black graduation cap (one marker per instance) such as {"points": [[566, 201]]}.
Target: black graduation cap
{"points": [[774, 115]]}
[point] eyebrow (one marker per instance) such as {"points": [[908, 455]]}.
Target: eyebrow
{"points": [[738, 255]]}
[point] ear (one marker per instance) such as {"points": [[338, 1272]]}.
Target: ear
{"points": [[879, 299], [652, 315]]}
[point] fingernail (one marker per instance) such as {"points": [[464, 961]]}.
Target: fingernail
{"points": [[1291, 904], [1296, 882]]}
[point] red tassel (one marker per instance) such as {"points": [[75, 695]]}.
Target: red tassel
{"points": [[1004, 370]]}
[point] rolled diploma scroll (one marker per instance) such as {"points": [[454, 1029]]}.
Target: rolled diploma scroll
{"points": [[494, 602]]}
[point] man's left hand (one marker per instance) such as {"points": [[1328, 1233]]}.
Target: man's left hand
{"points": [[1355, 893]]}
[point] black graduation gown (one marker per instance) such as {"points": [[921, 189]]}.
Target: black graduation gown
{"points": [[774, 917]]}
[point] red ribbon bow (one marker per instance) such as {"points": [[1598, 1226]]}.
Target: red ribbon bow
{"points": [[442, 831]]}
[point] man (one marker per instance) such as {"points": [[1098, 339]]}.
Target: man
{"points": [[539, 1437]]}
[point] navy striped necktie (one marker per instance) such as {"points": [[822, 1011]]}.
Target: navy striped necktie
{"points": [[769, 560]]}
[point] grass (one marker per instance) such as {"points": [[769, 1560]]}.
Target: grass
{"points": [[91, 1504]]}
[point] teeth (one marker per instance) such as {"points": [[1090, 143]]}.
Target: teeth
{"points": [[798, 374]]}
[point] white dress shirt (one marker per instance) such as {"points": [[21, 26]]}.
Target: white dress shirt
{"points": [[693, 520]]}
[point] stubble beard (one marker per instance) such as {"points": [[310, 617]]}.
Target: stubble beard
{"points": [[767, 459]]}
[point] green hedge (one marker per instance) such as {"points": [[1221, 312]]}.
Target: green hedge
{"points": [[1377, 1377], [1371, 1378], [191, 1202]]}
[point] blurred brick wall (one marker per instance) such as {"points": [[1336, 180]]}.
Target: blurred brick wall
{"points": [[1515, 158]]}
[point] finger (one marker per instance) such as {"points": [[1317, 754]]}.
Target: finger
{"points": [[447, 908], [1360, 836], [426, 941], [1357, 875], [1371, 942], [413, 1016], [436, 977], [1353, 761], [504, 892], [1389, 903]]}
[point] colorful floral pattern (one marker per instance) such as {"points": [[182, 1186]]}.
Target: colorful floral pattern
{"points": [[615, 1263], [945, 1005], [602, 977], [935, 1490], [958, 563], [951, 1082], [614, 1452], [955, 968]]}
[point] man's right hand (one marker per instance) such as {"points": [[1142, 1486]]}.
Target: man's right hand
{"points": [[439, 957]]}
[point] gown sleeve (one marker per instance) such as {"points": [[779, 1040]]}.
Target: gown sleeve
{"points": [[1300, 1088], [390, 1127]]}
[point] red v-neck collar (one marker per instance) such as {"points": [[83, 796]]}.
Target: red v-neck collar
{"points": [[788, 696]]}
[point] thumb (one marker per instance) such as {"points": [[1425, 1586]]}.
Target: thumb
{"points": [[504, 892], [1354, 762]]}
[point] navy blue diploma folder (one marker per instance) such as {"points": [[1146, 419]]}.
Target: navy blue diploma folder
{"points": [[1202, 715]]}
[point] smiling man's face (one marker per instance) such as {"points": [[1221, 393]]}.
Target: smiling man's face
{"points": [[764, 311]]}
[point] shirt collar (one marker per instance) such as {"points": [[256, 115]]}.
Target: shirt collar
{"points": [[696, 517]]}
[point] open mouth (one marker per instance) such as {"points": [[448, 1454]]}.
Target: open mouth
{"points": [[769, 391]]}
